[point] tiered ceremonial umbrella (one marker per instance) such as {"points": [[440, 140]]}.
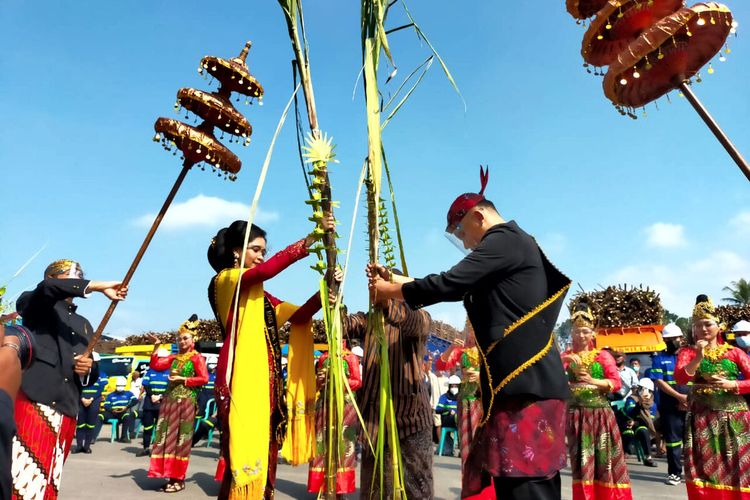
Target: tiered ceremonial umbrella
{"points": [[197, 144], [652, 48]]}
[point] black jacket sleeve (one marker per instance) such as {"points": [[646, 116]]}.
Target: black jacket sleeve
{"points": [[496, 256], [47, 293]]}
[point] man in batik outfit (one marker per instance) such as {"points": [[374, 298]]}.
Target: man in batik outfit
{"points": [[47, 405]]}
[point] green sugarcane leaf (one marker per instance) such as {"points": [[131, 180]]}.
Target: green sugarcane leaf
{"points": [[421, 35], [408, 94]]}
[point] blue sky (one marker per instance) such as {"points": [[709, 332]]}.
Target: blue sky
{"points": [[654, 201]]}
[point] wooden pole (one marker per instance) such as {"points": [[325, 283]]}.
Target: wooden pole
{"points": [[141, 251], [711, 123]]}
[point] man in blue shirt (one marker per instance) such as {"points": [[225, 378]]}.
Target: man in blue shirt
{"points": [[672, 401], [120, 405], [88, 412], [154, 384], [447, 406]]}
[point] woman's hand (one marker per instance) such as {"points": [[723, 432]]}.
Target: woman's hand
{"points": [[585, 377], [700, 346], [177, 378], [723, 383], [152, 339]]}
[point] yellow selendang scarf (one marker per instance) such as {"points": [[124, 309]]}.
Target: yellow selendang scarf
{"points": [[299, 445], [251, 398]]}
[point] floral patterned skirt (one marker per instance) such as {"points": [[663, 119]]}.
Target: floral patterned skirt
{"points": [[717, 454], [596, 457], [522, 438]]}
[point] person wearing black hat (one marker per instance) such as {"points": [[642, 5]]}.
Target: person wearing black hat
{"points": [[46, 408], [513, 296]]}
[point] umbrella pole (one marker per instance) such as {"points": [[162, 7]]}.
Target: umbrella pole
{"points": [[711, 123], [111, 309]]}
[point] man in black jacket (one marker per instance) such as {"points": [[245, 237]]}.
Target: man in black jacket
{"points": [[512, 295], [47, 405]]}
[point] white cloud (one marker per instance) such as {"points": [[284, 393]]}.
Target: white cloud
{"points": [[741, 223], [665, 235], [204, 210], [679, 282]]}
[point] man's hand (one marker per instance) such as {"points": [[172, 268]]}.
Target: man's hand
{"points": [[114, 290], [338, 277], [118, 410], [86, 401], [82, 365]]}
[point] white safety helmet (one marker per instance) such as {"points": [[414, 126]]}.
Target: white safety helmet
{"points": [[121, 382], [358, 351], [741, 326], [646, 383], [454, 380], [671, 331]]}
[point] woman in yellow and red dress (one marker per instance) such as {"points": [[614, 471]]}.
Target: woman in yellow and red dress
{"points": [[174, 429], [345, 474], [594, 442], [252, 403], [469, 402], [717, 426]]}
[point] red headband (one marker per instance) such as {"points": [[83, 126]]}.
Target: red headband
{"points": [[465, 202]]}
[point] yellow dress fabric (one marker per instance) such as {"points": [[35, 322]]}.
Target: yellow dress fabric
{"points": [[250, 396]]}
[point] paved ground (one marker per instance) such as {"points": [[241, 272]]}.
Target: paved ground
{"points": [[113, 471]]}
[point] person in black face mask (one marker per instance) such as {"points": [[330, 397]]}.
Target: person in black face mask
{"points": [[672, 401]]}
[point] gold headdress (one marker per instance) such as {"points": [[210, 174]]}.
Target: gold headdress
{"points": [[582, 316], [705, 309], [190, 326], [64, 266]]}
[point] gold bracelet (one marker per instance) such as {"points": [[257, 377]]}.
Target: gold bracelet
{"points": [[14, 346]]}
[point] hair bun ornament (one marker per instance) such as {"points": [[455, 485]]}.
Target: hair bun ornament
{"points": [[702, 298]]}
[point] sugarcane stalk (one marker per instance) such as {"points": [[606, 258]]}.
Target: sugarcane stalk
{"points": [[293, 8]]}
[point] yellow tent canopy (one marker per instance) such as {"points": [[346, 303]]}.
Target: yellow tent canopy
{"points": [[631, 339]]}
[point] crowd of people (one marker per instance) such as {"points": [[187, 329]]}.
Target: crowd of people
{"points": [[518, 410]]}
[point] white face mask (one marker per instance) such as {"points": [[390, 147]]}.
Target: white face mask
{"points": [[453, 390]]}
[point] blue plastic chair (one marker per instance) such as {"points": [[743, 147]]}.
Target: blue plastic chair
{"points": [[444, 432], [115, 423], [210, 408]]}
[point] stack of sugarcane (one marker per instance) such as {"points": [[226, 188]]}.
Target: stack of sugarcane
{"points": [[208, 331], [732, 314], [620, 306]]}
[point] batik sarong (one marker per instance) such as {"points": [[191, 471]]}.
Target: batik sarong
{"points": [[170, 453]]}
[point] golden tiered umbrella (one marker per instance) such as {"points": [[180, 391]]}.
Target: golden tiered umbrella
{"points": [[197, 144]]}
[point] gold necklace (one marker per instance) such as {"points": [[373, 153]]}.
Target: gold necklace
{"points": [[715, 354], [587, 357]]}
